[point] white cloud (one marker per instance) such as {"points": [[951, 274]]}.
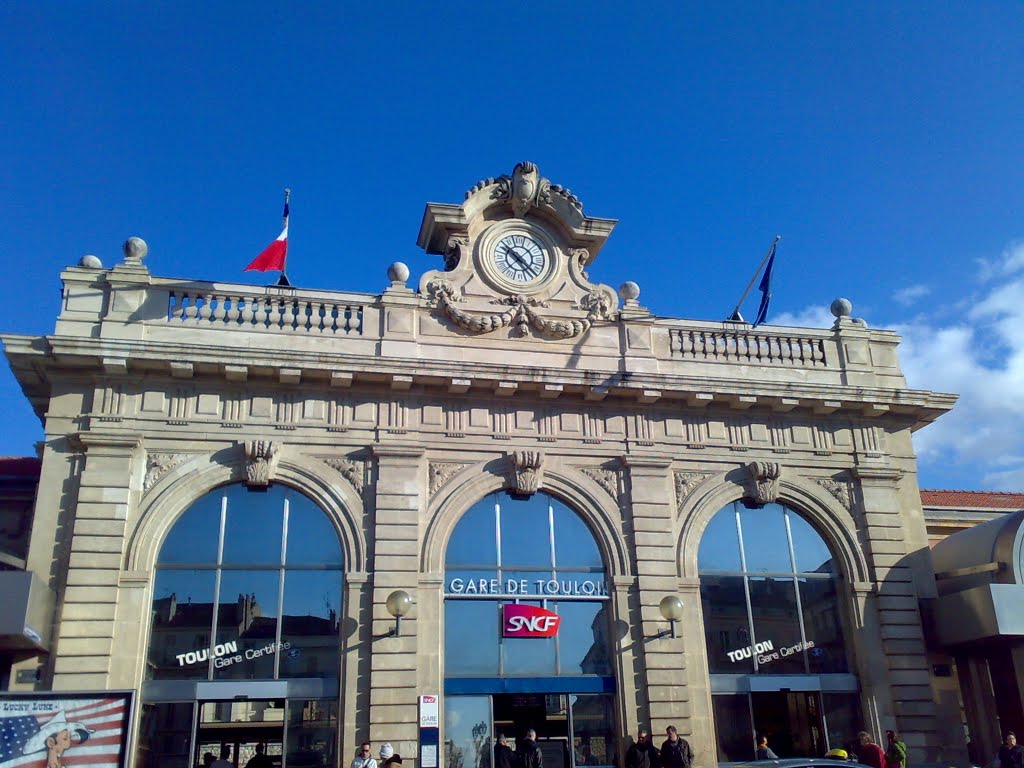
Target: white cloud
{"points": [[972, 346], [910, 294], [979, 354]]}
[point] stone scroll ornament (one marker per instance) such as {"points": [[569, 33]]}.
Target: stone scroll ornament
{"points": [[764, 481], [522, 313], [524, 189], [259, 461], [352, 470], [526, 471]]}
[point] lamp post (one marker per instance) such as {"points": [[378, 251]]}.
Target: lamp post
{"points": [[671, 608], [398, 604]]}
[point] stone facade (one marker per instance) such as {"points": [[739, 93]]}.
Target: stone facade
{"points": [[395, 412]]}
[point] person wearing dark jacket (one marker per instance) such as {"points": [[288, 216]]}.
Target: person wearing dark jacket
{"points": [[528, 753], [504, 757], [1011, 754], [675, 750], [643, 753]]}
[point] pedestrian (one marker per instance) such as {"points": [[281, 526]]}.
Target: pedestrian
{"points": [[528, 753], [364, 758], [503, 755], [388, 757], [225, 758], [763, 751], [869, 753], [642, 753], [895, 751], [260, 759], [1011, 754], [675, 750]]}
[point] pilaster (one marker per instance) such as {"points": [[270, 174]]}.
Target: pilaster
{"points": [[400, 480], [665, 666], [888, 543], [84, 650]]}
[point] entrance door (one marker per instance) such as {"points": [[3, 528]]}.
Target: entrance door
{"points": [[547, 714], [242, 727], [792, 722]]}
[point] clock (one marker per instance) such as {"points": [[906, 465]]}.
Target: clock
{"points": [[519, 258]]}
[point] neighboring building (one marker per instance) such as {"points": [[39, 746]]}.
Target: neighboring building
{"points": [[978, 617], [235, 480]]}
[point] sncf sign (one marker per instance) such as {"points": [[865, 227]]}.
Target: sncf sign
{"points": [[528, 621]]}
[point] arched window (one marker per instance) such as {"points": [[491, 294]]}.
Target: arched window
{"points": [[535, 552], [768, 588], [248, 586]]}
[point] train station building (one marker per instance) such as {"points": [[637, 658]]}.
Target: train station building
{"points": [[288, 516]]}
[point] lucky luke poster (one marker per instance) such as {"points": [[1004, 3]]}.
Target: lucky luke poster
{"points": [[58, 730]]}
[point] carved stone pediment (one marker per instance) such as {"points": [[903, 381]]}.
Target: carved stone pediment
{"points": [[527, 471], [260, 461], [514, 258], [763, 482]]}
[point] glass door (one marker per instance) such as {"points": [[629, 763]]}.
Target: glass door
{"points": [[238, 731], [467, 732]]}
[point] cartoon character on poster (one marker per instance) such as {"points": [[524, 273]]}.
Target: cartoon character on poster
{"points": [[59, 733]]}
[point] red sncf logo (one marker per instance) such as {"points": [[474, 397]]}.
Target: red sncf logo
{"points": [[528, 621]]}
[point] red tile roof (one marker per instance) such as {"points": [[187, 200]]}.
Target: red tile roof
{"points": [[972, 499]]}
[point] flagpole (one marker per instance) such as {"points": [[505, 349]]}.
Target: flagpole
{"points": [[283, 279], [736, 317]]}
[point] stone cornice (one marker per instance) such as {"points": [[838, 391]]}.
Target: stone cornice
{"points": [[398, 451], [110, 440], [77, 356]]}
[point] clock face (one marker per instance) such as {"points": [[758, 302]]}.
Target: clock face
{"points": [[519, 258]]}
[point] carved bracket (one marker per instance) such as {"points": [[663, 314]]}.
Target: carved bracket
{"points": [[526, 471], [260, 461], [763, 486]]}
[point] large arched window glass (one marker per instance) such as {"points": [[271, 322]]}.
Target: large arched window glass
{"points": [[535, 552], [248, 586], [768, 588]]}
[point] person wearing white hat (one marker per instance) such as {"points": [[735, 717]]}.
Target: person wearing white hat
{"points": [[56, 736], [388, 756]]}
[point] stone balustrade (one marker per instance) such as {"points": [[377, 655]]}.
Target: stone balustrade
{"points": [[273, 313], [757, 347]]}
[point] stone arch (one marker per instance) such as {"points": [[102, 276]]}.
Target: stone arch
{"points": [[579, 492], [173, 493], [832, 521]]}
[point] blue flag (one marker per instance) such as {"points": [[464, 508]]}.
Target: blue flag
{"points": [[766, 289]]}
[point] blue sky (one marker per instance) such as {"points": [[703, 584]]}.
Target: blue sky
{"points": [[881, 140]]}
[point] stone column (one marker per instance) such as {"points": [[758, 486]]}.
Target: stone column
{"points": [[86, 624], [890, 544], [664, 660], [356, 649], [396, 544]]}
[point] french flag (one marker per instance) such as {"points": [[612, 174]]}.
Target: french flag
{"points": [[274, 255]]}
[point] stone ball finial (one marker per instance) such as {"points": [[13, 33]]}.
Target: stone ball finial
{"points": [[398, 272], [135, 250], [90, 262], [841, 308], [629, 291]]}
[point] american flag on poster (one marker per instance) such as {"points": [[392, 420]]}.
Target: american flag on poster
{"points": [[63, 733]]}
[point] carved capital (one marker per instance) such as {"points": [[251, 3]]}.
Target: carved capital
{"points": [[526, 471], [763, 485], [260, 461]]}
